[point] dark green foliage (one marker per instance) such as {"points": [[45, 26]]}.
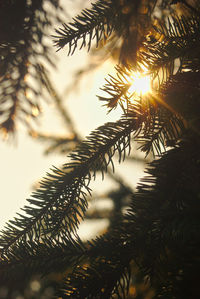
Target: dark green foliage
{"points": [[152, 250]]}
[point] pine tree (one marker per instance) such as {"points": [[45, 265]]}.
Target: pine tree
{"points": [[152, 250]]}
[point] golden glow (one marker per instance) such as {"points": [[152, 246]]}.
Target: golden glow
{"points": [[35, 111], [140, 83]]}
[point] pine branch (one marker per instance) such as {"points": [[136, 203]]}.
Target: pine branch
{"points": [[60, 202], [118, 89], [175, 50], [159, 220], [29, 259], [151, 229], [181, 93], [23, 29], [162, 209], [154, 195], [162, 123], [104, 18], [162, 130], [103, 279], [160, 232], [106, 274], [93, 23]]}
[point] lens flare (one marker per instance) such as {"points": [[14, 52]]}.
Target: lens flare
{"points": [[140, 83]]}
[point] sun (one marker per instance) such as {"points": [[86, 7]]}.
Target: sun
{"points": [[140, 83]]}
